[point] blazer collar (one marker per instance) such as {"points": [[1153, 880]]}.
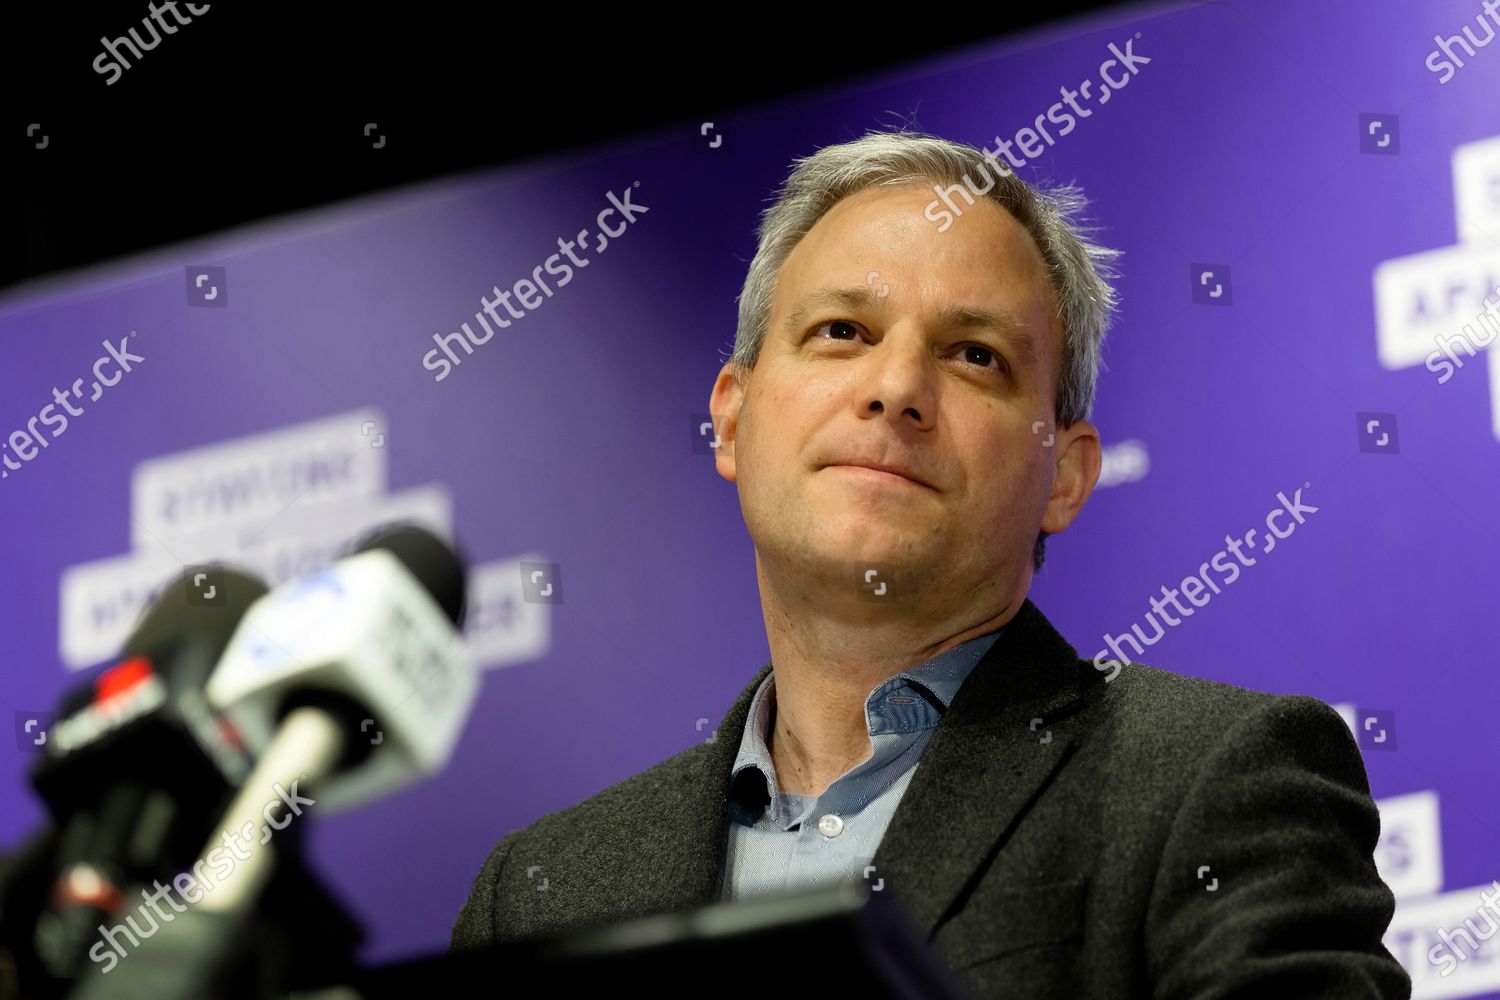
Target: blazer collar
{"points": [[1003, 738]]}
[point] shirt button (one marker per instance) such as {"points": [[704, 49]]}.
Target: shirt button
{"points": [[830, 825]]}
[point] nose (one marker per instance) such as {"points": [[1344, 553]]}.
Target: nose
{"points": [[897, 380]]}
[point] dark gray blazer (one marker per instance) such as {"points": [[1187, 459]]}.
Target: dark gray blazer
{"points": [[1153, 836]]}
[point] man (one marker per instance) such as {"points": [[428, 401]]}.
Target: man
{"points": [[905, 419]]}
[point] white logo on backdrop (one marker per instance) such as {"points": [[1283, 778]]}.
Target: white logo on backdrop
{"points": [[1123, 462], [1424, 933], [279, 504], [1424, 301]]}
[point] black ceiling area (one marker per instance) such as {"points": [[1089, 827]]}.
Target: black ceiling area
{"points": [[248, 110]]}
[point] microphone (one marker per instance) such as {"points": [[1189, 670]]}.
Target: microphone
{"points": [[354, 680], [137, 767], [351, 681]]}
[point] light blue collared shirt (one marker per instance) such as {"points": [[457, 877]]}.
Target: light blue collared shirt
{"points": [[781, 841]]}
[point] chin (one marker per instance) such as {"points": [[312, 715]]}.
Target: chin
{"points": [[860, 541]]}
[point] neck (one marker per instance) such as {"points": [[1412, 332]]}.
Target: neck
{"points": [[828, 654]]}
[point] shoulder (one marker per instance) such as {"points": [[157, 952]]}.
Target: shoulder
{"points": [[644, 794], [637, 801], [643, 797], [599, 838], [1148, 712], [590, 831], [1144, 694]]}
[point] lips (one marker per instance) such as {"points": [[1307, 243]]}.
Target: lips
{"points": [[896, 470]]}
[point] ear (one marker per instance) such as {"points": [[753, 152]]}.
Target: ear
{"points": [[724, 410], [1074, 474]]}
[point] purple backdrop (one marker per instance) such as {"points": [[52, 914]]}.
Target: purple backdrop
{"points": [[1306, 203]]}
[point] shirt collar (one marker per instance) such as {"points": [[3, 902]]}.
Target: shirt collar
{"points": [[913, 699]]}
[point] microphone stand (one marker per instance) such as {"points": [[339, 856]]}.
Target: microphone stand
{"points": [[238, 925]]}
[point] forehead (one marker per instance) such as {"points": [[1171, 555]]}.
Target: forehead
{"points": [[880, 238]]}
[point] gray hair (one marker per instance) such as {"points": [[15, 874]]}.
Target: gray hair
{"points": [[1079, 268]]}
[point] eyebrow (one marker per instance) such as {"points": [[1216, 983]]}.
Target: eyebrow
{"points": [[954, 317]]}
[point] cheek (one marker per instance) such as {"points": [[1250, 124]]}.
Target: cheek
{"points": [[756, 448], [772, 437], [1015, 472]]}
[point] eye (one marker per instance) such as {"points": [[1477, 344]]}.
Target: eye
{"points": [[843, 324], [986, 355]]}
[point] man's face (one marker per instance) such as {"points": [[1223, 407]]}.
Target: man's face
{"points": [[937, 353]]}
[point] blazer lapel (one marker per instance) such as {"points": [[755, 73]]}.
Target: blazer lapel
{"points": [[1002, 740], [690, 845], [983, 764]]}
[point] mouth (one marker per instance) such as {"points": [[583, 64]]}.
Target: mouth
{"points": [[888, 473]]}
